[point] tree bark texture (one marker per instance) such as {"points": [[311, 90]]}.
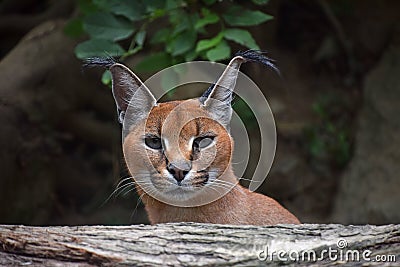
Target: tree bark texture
{"points": [[191, 244]]}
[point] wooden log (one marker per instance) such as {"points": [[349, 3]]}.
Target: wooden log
{"points": [[193, 244]]}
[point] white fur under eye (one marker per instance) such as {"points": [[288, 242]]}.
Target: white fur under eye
{"points": [[190, 145], [165, 143]]}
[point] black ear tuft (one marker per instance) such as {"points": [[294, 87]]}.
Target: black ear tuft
{"points": [[105, 62], [258, 56], [206, 94]]}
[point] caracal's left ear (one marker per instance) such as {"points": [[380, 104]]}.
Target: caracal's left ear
{"points": [[217, 99], [129, 91]]}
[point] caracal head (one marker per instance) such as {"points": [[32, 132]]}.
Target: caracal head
{"points": [[180, 150]]}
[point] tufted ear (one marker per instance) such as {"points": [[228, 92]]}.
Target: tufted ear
{"points": [[129, 91], [217, 99]]}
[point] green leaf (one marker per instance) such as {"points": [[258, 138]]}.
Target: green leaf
{"points": [[154, 62], [173, 4], [106, 77], [209, 43], [239, 16], [99, 48], [133, 10], [221, 51], [169, 81], [139, 37], [242, 37], [139, 41], [101, 4], [182, 43], [160, 36], [105, 26], [209, 2], [260, 2], [154, 5], [133, 51], [74, 28], [191, 55], [158, 13], [86, 6], [181, 22], [208, 18]]}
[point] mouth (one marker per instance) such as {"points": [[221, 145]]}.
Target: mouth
{"points": [[196, 186], [188, 185], [194, 182]]}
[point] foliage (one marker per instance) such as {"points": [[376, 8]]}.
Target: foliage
{"points": [[328, 141], [185, 29]]}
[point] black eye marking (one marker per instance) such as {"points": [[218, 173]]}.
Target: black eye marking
{"points": [[153, 142], [202, 142]]}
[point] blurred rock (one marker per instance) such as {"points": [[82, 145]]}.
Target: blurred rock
{"points": [[369, 190], [59, 135]]}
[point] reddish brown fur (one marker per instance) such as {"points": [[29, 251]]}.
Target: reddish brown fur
{"points": [[238, 206]]}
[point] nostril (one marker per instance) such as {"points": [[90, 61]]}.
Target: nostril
{"points": [[177, 173]]}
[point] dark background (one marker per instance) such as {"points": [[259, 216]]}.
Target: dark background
{"points": [[336, 108]]}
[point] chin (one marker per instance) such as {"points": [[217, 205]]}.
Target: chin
{"points": [[180, 192]]}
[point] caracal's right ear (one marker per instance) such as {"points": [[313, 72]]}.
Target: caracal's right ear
{"points": [[130, 93]]}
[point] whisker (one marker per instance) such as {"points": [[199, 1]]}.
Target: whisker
{"points": [[123, 180], [137, 206], [222, 186], [239, 162], [113, 194], [123, 188], [130, 190], [227, 184], [250, 180]]}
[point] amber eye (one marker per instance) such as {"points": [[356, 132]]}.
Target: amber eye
{"points": [[153, 142], [202, 142]]}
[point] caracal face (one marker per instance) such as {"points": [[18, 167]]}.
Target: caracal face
{"points": [[179, 151]]}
